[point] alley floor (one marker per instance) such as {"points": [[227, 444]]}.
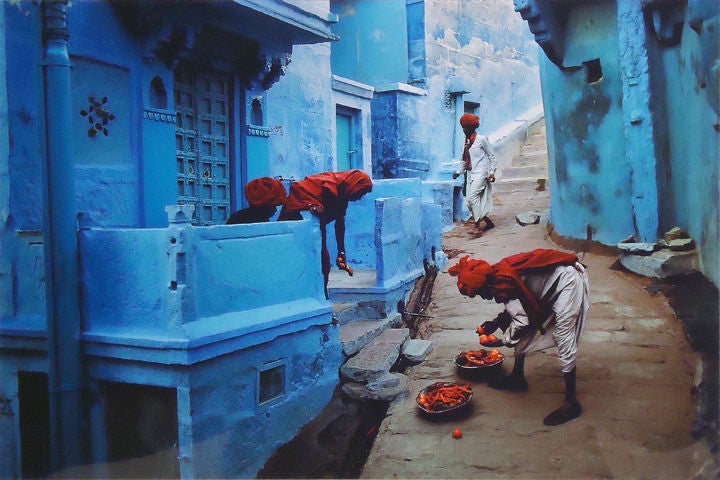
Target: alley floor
{"points": [[635, 373]]}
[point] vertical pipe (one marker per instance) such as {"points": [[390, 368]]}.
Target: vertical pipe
{"points": [[60, 244]]}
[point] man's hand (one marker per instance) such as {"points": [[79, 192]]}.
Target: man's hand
{"points": [[488, 327], [455, 175], [491, 178], [341, 263]]}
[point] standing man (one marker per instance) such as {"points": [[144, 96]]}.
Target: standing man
{"points": [[326, 195], [478, 165], [546, 297]]}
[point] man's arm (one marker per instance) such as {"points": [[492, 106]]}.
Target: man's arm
{"points": [[492, 161]]}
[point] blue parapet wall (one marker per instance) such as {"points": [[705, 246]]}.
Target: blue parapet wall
{"points": [[206, 310]]}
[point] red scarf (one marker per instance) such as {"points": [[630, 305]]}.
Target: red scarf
{"points": [[466, 151], [317, 190], [506, 276]]}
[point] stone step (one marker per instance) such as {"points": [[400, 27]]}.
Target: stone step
{"points": [[534, 148], [358, 333], [531, 171], [540, 158], [377, 357], [504, 186], [346, 312]]}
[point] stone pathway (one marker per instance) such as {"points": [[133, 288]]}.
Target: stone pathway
{"points": [[635, 375]]}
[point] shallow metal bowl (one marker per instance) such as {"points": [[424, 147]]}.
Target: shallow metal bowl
{"points": [[446, 411], [475, 368]]}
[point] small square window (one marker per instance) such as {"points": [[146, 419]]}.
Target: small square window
{"points": [[271, 381], [593, 71]]}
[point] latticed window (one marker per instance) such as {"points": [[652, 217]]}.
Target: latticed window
{"points": [[202, 133]]}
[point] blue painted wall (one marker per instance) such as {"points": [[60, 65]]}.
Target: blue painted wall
{"points": [[692, 145], [589, 172], [635, 152], [300, 116], [166, 306], [373, 45], [422, 57]]}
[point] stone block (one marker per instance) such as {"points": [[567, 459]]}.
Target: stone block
{"points": [[377, 357], [417, 350], [662, 264], [527, 218]]}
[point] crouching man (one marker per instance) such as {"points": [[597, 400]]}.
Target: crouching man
{"points": [[546, 297]]}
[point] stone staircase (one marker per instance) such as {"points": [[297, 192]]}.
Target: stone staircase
{"points": [[373, 340], [531, 164]]}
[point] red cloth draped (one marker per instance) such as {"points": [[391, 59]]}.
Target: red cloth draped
{"points": [[506, 277], [466, 151], [319, 189], [265, 191]]}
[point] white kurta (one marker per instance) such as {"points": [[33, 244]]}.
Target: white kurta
{"points": [[479, 190], [567, 289]]}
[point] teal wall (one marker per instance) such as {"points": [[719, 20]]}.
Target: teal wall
{"points": [[635, 153], [373, 46], [589, 173], [691, 147]]}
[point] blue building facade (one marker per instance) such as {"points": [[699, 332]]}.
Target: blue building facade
{"points": [[134, 324], [631, 102]]}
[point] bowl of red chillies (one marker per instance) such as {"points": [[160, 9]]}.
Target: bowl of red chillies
{"points": [[474, 360], [444, 397]]}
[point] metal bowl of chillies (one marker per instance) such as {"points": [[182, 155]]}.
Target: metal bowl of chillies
{"points": [[442, 398], [475, 360]]}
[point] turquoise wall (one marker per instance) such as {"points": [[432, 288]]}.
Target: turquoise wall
{"points": [[636, 152], [691, 183], [589, 173], [373, 46]]}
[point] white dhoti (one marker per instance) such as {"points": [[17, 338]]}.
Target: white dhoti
{"points": [[568, 290], [479, 196]]}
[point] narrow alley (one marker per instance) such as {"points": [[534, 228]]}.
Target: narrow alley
{"points": [[635, 375]]}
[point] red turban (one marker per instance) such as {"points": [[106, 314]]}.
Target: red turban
{"points": [[505, 276], [469, 120], [471, 274], [265, 191]]}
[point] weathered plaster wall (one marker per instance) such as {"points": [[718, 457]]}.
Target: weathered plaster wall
{"points": [[487, 46], [234, 434], [635, 153], [483, 45], [689, 90], [300, 115], [589, 174]]}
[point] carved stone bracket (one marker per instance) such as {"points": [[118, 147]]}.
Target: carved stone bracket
{"points": [[275, 65], [546, 21]]}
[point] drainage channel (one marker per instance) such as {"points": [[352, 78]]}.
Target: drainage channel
{"points": [[337, 442]]}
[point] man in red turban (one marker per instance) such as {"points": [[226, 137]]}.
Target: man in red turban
{"points": [[546, 297], [264, 194], [327, 195], [478, 165]]}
